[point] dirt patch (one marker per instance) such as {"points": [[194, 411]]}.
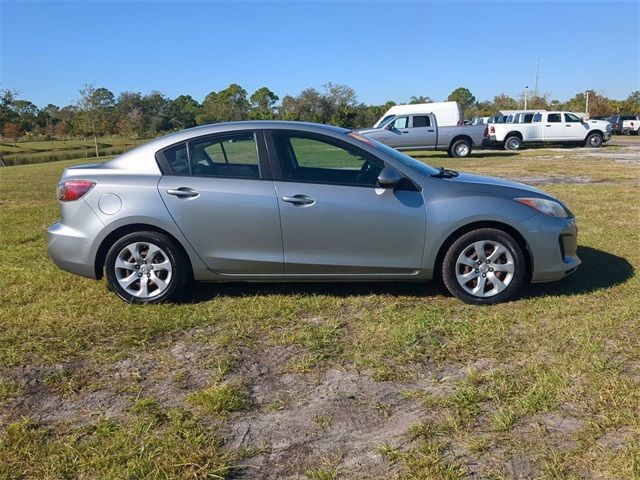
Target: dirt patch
{"points": [[618, 439], [556, 179], [338, 417]]}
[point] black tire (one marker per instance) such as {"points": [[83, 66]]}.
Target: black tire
{"points": [[178, 275], [465, 244], [594, 140], [460, 148], [513, 142]]}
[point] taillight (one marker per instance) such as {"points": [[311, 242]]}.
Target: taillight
{"points": [[70, 190], [486, 132], [493, 129]]}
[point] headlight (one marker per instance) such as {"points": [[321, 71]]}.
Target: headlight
{"points": [[548, 207]]}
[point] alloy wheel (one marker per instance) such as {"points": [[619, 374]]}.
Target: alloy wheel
{"points": [[143, 270], [485, 268]]}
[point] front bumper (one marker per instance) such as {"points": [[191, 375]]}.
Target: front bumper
{"points": [[553, 243]]}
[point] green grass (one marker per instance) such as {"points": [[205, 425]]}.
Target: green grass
{"points": [[563, 347], [220, 399], [25, 153]]}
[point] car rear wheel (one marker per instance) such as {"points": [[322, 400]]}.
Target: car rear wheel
{"points": [[484, 266], [460, 148], [594, 140], [513, 143], [146, 267]]}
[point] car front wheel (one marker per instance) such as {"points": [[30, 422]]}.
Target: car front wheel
{"points": [[484, 266], [146, 267], [594, 140]]}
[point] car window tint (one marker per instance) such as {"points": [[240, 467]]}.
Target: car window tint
{"points": [[225, 156], [528, 117], [536, 118], [400, 122], [421, 121], [570, 117], [554, 118], [177, 158], [322, 161]]}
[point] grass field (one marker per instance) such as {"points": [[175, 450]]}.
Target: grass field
{"points": [[25, 153], [324, 381]]}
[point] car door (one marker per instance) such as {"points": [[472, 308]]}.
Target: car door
{"points": [[397, 132], [553, 127], [334, 220], [574, 128], [221, 197], [421, 132]]}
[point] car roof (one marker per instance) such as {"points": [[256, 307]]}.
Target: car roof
{"points": [[144, 155]]}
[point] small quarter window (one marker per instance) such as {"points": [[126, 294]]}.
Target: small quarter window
{"points": [[177, 159]]}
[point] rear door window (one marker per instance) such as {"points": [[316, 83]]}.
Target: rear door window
{"points": [[554, 118], [421, 121], [232, 155]]}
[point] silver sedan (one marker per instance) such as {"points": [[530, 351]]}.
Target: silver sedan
{"points": [[289, 201]]}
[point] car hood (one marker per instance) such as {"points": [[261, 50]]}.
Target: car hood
{"points": [[367, 131], [600, 123], [482, 184]]}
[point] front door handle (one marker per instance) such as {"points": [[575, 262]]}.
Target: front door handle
{"points": [[405, 131], [301, 200], [183, 192]]}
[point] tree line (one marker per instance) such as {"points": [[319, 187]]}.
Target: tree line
{"points": [[98, 112]]}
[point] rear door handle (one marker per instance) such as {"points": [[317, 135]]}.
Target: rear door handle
{"points": [[183, 192], [301, 200], [429, 130]]}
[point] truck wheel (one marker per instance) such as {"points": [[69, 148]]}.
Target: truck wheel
{"points": [[460, 148], [513, 143], [594, 140]]}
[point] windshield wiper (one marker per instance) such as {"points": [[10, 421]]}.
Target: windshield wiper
{"points": [[445, 173]]}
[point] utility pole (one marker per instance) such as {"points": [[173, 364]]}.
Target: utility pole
{"points": [[586, 108], [526, 89], [535, 85]]}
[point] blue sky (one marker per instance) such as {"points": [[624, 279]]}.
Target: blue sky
{"points": [[387, 50]]}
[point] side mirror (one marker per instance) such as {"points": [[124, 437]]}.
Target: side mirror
{"points": [[389, 178], [389, 126]]}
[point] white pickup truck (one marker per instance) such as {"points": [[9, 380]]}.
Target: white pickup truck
{"points": [[560, 127], [631, 126]]}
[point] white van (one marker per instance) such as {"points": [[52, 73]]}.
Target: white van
{"points": [[447, 113]]}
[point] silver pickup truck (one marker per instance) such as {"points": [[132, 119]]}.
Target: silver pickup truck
{"points": [[421, 132]]}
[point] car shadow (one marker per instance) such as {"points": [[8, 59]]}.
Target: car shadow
{"points": [[599, 270], [474, 154]]}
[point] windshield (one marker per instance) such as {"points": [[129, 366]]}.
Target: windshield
{"points": [[405, 160], [386, 121]]}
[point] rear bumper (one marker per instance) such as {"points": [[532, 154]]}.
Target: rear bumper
{"points": [[70, 250], [553, 243]]}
